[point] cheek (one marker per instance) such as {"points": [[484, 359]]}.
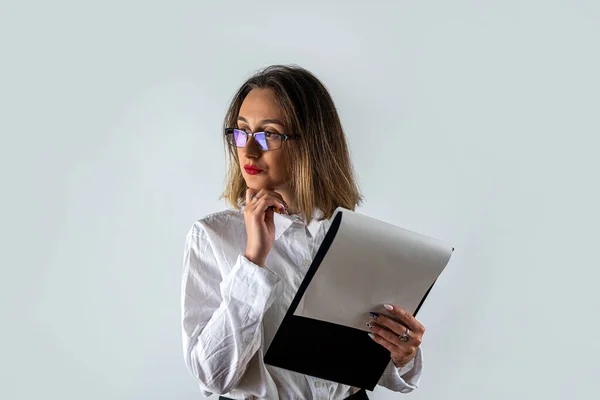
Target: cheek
{"points": [[278, 165], [240, 153]]}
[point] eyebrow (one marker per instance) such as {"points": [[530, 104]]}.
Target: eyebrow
{"points": [[264, 121]]}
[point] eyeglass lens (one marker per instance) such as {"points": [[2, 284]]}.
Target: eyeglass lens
{"points": [[265, 140]]}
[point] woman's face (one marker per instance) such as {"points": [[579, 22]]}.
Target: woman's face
{"points": [[262, 169]]}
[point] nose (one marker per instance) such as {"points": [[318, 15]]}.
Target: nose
{"points": [[252, 148]]}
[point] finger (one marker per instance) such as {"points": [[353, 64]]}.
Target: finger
{"points": [[257, 195], [281, 208], [253, 196], [400, 356], [249, 194], [265, 192], [394, 326], [267, 201], [406, 318], [269, 216], [393, 337], [382, 341]]}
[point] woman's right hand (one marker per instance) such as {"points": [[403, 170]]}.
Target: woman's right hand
{"points": [[260, 225]]}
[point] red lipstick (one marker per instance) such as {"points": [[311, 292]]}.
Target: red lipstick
{"points": [[252, 170]]}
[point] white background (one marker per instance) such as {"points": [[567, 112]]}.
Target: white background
{"points": [[475, 122]]}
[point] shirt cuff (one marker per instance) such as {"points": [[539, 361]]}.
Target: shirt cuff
{"points": [[250, 284], [404, 379]]}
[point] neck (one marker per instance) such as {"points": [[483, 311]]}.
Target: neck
{"points": [[288, 197]]}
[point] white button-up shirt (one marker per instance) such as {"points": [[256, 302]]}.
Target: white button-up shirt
{"points": [[232, 308]]}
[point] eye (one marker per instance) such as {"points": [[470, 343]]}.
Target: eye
{"points": [[271, 134]]}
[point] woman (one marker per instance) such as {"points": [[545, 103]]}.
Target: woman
{"points": [[289, 170]]}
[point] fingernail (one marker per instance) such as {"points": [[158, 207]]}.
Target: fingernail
{"points": [[374, 315], [371, 335], [284, 208], [370, 325], [388, 306]]}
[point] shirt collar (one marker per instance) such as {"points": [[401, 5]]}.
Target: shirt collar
{"points": [[283, 222]]}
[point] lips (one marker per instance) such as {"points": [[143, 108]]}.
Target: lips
{"points": [[252, 170]]}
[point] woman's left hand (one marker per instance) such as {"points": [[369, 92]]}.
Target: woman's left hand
{"points": [[401, 339]]}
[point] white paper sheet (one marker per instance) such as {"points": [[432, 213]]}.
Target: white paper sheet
{"points": [[371, 263]]}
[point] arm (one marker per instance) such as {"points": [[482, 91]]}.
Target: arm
{"points": [[402, 336], [221, 318]]}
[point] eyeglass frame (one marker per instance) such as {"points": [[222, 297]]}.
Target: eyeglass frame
{"points": [[284, 137]]}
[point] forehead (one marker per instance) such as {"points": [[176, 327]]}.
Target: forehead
{"points": [[260, 104]]}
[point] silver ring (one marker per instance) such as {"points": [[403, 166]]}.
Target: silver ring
{"points": [[405, 336]]}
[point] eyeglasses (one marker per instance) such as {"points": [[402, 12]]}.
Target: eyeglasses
{"points": [[266, 140]]}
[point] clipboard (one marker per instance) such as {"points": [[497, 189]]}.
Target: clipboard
{"points": [[340, 350]]}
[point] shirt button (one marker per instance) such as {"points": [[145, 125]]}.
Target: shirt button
{"points": [[307, 262], [318, 384]]}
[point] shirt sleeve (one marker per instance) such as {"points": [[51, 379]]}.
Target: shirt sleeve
{"points": [[404, 379], [221, 317]]}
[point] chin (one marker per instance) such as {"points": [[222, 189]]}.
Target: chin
{"points": [[259, 182], [256, 182]]}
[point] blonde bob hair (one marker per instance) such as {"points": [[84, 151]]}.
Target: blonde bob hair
{"points": [[322, 175]]}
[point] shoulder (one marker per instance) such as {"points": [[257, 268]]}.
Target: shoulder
{"points": [[221, 234], [218, 223]]}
